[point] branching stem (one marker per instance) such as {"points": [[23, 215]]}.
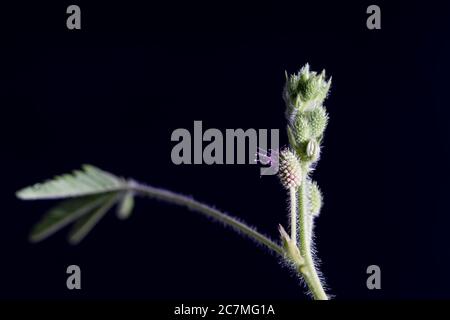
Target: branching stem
{"points": [[308, 269]]}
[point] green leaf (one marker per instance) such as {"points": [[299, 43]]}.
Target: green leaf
{"points": [[65, 213], [89, 181], [84, 225], [126, 205]]}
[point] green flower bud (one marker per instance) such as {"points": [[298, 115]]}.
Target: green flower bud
{"points": [[302, 128], [315, 198], [306, 89], [318, 120], [308, 126]]}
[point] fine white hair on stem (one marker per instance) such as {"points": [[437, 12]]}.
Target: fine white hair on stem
{"points": [[208, 211]]}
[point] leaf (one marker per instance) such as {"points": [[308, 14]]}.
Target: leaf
{"points": [[90, 180], [126, 205], [84, 225], [65, 213]]}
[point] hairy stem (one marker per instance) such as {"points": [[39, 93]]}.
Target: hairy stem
{"points": [[293, 213], [175, 198], [308, 269]]}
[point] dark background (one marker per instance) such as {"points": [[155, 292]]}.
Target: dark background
{"points": [[112, 93]]}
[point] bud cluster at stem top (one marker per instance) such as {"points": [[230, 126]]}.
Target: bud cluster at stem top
{"points": [[306, 89], [304, 94]]}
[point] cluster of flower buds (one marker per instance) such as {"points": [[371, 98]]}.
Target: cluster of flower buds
{"points": [[304, 94], [307, 118]]}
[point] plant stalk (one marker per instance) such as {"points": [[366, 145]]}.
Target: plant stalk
{"points": [[293, 213], [192, 204], [308, 269]]}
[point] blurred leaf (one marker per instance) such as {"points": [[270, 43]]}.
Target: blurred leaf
{"points": [[80, 183], [84, 225], [65, 213]]}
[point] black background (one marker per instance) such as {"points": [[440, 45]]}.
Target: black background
{"points": [[112, 93]]}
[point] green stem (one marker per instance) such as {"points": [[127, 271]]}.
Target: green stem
{"points": [[176, 198], [293, 213], [308, 270]]}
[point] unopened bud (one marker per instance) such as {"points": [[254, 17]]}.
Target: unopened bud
{"points": [[315, 198], [312, 150], [318, 120], [301, 129], [306, 89]]}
